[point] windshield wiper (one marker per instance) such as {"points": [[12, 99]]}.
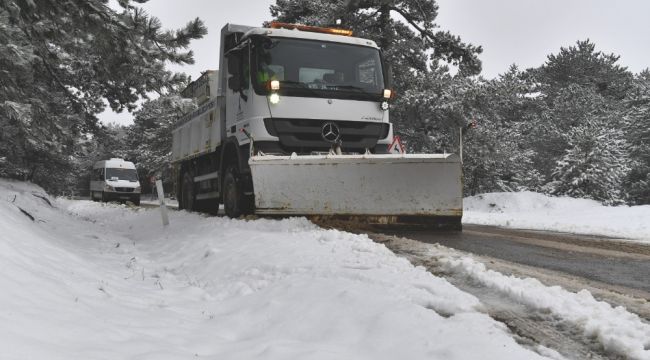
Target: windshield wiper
{"points": [[289, 82], [347, 87], [296, 85]]}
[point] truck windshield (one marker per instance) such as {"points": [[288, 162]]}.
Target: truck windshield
{"points": [[318, 69], [121, 174]]}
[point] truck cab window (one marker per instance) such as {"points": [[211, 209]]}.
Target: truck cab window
{"points": [[367, 72]]}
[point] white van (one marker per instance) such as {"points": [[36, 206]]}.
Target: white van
{"points": [[115, 179]]}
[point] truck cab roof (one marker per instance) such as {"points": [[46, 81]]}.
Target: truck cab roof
{"points": [[308, 35]]}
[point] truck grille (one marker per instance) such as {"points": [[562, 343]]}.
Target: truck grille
{"points": [[304, 135], [123, 189]]}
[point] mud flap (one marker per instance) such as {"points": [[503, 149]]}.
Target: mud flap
{"points": [[392, 186]]}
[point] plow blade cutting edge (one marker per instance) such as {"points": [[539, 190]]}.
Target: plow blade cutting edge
{"points": [[411, 188]]}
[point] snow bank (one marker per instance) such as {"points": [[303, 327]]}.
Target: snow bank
{"points": [[90, 281], [619, 331], [528, 210]]}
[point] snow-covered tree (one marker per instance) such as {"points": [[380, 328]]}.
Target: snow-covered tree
{"points": [[581, 91], [581, 65], [150, 137], [61, 61], [433, 109], [637, 127], [595, 164], [498, 153]]}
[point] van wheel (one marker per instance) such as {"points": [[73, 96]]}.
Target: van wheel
{"points": [[187, 188], [235, 203]]}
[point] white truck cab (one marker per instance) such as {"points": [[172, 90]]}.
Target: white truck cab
{"points": [[115, 179]]}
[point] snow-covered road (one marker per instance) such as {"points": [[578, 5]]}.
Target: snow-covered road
{"points": [[92, 281], [104, 281]]}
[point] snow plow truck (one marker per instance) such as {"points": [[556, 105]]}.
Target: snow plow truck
{"points": [[296, 122]]}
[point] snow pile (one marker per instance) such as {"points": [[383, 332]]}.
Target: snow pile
{"points": [[529, 210], [619, 331], [85, 280]]}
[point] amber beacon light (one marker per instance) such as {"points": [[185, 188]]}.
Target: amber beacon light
{"points": [[317, 29]]}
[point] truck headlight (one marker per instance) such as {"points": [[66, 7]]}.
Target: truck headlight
{"points": [[108, 188], [274, 98], [384, 105]]}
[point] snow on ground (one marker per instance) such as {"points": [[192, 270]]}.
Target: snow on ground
{"points": [[86, 280], [619, 332], [529, 210]]}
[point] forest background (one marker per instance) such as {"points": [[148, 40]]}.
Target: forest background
{"points": [[578, 125]]}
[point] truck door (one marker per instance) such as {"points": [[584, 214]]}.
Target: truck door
{"points": [[238, 94]]}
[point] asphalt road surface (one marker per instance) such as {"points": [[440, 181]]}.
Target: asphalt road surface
{"points": [[612, 270], [620, 263]]}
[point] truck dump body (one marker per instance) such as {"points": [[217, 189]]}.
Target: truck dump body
{"points": [[417, 185]]}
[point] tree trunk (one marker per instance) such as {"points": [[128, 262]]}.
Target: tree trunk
{"points": [[384, 23]]}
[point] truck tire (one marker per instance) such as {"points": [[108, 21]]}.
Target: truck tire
{"points": [[187, 195], [136, 200], [103, 197], [235, 203]]}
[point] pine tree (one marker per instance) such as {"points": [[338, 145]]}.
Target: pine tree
{"points": [[595, 164], [637, 128], [499, 155], [60, 62], [583, 66], [150, 137]]}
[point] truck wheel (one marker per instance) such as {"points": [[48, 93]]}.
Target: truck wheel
{"points": [[103, 197], [136, 201], [235, 203], [187, 196]]}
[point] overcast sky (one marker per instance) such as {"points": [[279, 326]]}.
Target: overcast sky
{"points": [[522, 32]]}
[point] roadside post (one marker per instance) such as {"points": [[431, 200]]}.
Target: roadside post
{"points": [[161, 199]]}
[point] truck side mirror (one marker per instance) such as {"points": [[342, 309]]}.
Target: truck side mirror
{"points": [[233, 83], [233, 63]]}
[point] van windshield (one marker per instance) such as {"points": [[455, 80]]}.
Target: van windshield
{"points": [[121, 174]]}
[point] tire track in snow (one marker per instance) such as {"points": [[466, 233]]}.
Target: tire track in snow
{"points": [[531, 323]]}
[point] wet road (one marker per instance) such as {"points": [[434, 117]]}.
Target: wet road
{"points": [[615, 262]]}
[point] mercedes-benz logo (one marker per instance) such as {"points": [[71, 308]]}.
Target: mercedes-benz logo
{"points": [[330, 132]]}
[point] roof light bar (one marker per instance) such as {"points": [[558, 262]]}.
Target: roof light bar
{"points": [[317, 29]]}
